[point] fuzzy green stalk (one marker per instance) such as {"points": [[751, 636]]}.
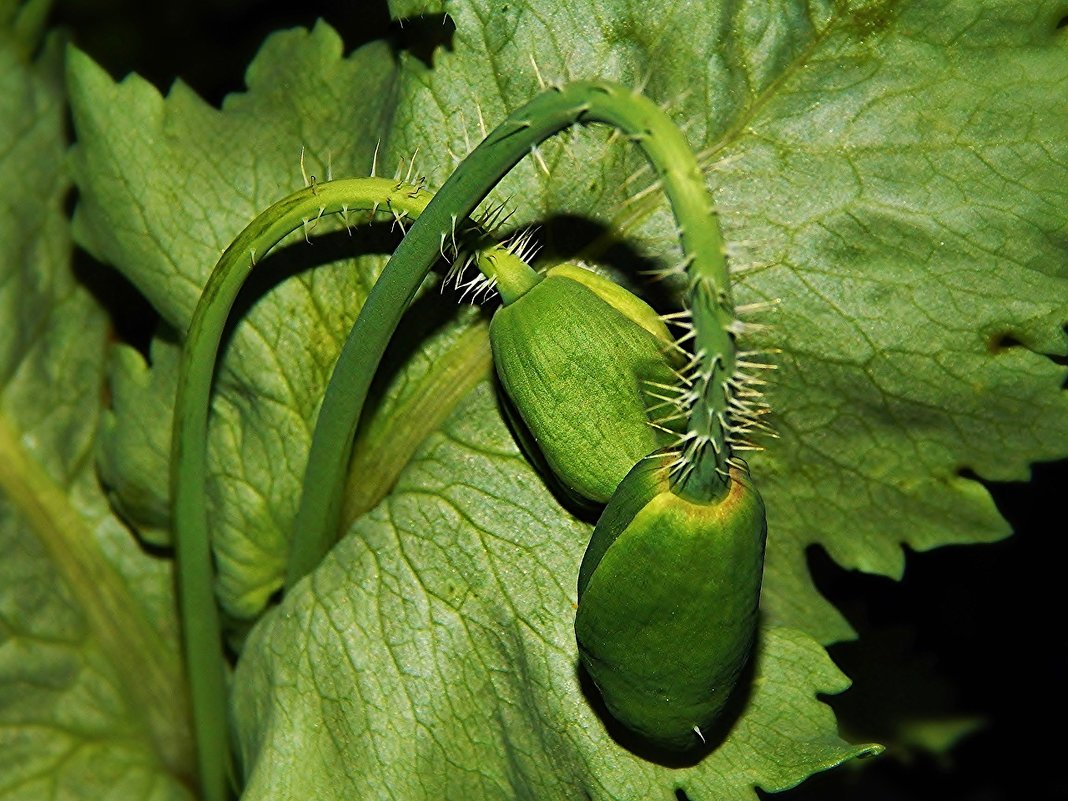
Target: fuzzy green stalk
{"points": [[201, 630], [547, 114]]}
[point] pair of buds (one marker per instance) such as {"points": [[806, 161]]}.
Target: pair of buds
{"points": [[669, 586]]}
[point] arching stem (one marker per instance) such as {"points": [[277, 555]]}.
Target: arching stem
{"points": [[201, 629]]}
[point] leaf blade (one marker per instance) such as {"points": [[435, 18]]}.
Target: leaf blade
{"points": [[91, 693]]}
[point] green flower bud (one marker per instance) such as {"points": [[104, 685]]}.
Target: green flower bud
{"points": [[578, 356], [668, 596]]}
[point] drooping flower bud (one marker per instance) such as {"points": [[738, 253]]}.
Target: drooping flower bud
{"points": [[668, 596], [579, 358]]}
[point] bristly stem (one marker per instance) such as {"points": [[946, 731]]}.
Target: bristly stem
{"points": [[201, 629], [705, 457], [705, 451]]}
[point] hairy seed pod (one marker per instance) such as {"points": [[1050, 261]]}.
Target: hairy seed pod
{"points": [[578, 357], [668, 596]]}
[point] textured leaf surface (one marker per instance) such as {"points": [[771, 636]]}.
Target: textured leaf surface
{"points": [[892, 176], [915, 168], [91, 697], [432, 656], [892, 173], [166, 184]]}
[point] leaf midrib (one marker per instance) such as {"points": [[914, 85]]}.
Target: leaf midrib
{"points": [[146, 668]]}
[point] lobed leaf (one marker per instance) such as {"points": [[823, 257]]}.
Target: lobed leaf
{"points": [[432, 655], [165, 185], [891, 181], [91, 693]]}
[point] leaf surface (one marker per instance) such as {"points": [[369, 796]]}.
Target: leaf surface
{"points": [[432, 656], [92, 701], [891, 180], [166, 185]]}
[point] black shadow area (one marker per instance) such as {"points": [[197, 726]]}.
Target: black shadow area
{"points": [[569, 237], [970, 631]]}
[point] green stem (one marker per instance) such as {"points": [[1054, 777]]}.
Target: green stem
{"points": [[201, 629], [547, 114]]}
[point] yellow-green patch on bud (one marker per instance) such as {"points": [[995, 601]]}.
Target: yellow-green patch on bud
{"points": [[668, 597], [622, 300], [578, 357]]}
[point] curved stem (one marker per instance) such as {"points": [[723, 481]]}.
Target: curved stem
{"points": [[706, 476], [201, 629]]}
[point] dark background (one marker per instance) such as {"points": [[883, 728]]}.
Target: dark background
{"points": [[970, 630]]}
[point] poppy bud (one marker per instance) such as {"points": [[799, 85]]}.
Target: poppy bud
{"points": [[668, 595], [578, 357]]}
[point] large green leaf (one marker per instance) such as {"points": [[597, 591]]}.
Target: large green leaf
{"points": [[891, 173], [166, 186], [432, 656], [912, 183], [891, 176], [92, 702]]}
